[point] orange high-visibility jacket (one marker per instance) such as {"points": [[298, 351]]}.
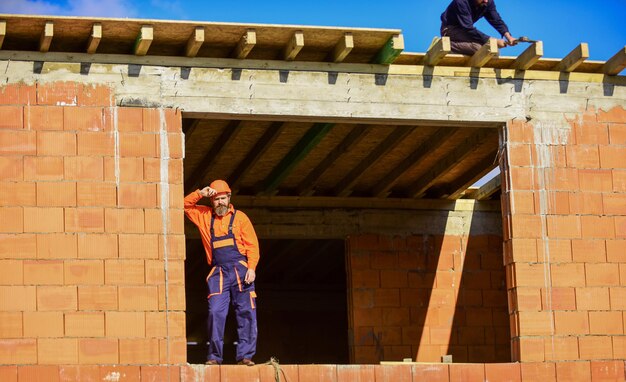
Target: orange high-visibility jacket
{"points": [[245, 237]]}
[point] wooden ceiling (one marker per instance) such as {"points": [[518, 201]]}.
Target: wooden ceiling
{"points": [[275, 158]]}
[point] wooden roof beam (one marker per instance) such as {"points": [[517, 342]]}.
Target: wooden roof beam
{"points": [[144, 40], [344, 187], [297, 153], [355, 136], [419, 154], [484, 54], [615, 64], [295, 45], [343, 48], [573, 59], [529, 57], [437, 51], [456, 189], [421, 185], [46, 37], [94, 38], [260, 147], [3, 31], [245, 45], [204, 166], [489, 188], [390, 51], [195, 42]]}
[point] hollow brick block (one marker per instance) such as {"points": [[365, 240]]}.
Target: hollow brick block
{"points": [[57, 93], [173, 350], [121, 272], [95, 143], [142, 246], [43, 117], [97, 246], [84, 168], [138, 145], [138, 298], [595, 347], [129, 119], [11, 272], [57, 298], [17, 246], [592, 298], [43, 219], [43, 168], [95, 95], [124, 220], [321, 373], [17, 142], [18, 298], [98, 351], [603, 323], [97, 297], [12, 325], [17, 194], [131, 169], [568, 275], [18, 94], [125, 324], [56, 246], [56, 194], [56, 143], [57, 351], [602, 274], [84, 219], [84, 119], [11, 117], [571, 322], [561, 348], [8, 373], [96, 194], [161, 373], [84, 272], [139, 351], [18, 351], [43, 272], [137, 195], [11, 168], [84, 324], [538, 371]]}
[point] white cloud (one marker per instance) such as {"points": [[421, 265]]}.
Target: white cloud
{"points": [[95, 8]]}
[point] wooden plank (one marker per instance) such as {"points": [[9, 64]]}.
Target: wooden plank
{"points": [[615, 64], [143, 40], [484, 54], [295, 45], [489, 188], [3, 31], [189, 125], [260, 147], [573, 59], [343, 47], [469, 177], [390, 51], [46, 37], [437, 51], [344, 187], [297, 153], [195, 42], [529, 57], [419, 154], [245, 44], [94, 38], [421, 185], [204, 166], [355, 136]]}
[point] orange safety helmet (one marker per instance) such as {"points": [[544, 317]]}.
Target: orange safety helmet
{"points": [[220, 186]]}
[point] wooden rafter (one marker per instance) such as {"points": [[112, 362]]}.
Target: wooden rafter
{"points": [[295, 45], [469, 177], [343, 47], [245, 45], [46, 37], [195, 42], [419, 187], [437, 51], [297, 153], [419, 154], [529, 57], [143, 40], [3, 31], [260, 147], [355, 136], [489, 188], [94, 38], [344, 187], [189, 125], [615, 64], [217, 149], [484, 54], [390, 51], [574, 58]]}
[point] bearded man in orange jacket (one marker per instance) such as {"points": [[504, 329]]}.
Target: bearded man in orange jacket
{"points": [[232, 249]]}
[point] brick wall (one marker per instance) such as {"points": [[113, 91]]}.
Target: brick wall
{"points": [[422, 297], [91, 229], [564, 209]]}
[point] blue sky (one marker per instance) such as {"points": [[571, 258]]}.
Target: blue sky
{"points": [[560, 24]]}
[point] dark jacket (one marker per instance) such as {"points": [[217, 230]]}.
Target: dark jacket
{"points": [[464, 13]]}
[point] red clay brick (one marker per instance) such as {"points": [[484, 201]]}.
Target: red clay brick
{"points": [[8, 373], [43, 117], [56, 143], [84, 324], [43, 272], [38, 373], [125, 324], [120, 272], [95, 95], [42, 220], [607, 371], [151, 119], [98, 351], [18, 351], [606, 323], [11, 220], [619, 180], [503, 372], [56, 246], [175, 246], [11, 117], [84, 119], [155, 275], [176, 297], [347, 373], [588, 251], [57, 93], [321, 373], [131, 169], [543, 371], [20, 246], [56, 298], [176, 145], [529, 274], [522, 250], [586, 203], [95, 143], [618, 298], [615, 252], [124, 220], [17, 194], [526, 226], [131, 373], [84, 272], [568, 275], [565, 227], [137, 195], [142, 298], [561, 348], [173, 120], [619, 347], [583, 156], [97, 246], [151, 169], [11, 326], [592, 298], [614, 204], [612, 157], [595, 347], [558, 298], [563, 179], [603, 274], [91, 194], [138, 145], [11, 272], [18, 94], [534, 323], [595, 180], [467, 372], [11, 168], [173, 350], [571, 322], [56, 194], [18, 298], [18, 142], [139, 351], [72, 373], [97, 297], [620, 227], [84, 220], [130, 119], [57, 351], [615, 114], [43, 168], [83, 168]]}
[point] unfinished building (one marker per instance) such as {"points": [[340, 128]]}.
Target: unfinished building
{"points": [[355, 162]]}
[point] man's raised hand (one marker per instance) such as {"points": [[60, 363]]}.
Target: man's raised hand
{"points": [[207, 192]]}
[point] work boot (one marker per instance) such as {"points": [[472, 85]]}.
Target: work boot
{"points": [[212, 362], [246, 361]]}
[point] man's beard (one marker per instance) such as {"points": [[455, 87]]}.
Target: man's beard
{"points": [[221, 210]]}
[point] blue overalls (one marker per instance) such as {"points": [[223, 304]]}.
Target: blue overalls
{"points": [[226, 285]]}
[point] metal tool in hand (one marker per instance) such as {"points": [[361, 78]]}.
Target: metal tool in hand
{"points": [[523, 39]]}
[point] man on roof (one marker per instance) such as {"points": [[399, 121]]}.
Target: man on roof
{"points": [[457, 22], [232, 249]]}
